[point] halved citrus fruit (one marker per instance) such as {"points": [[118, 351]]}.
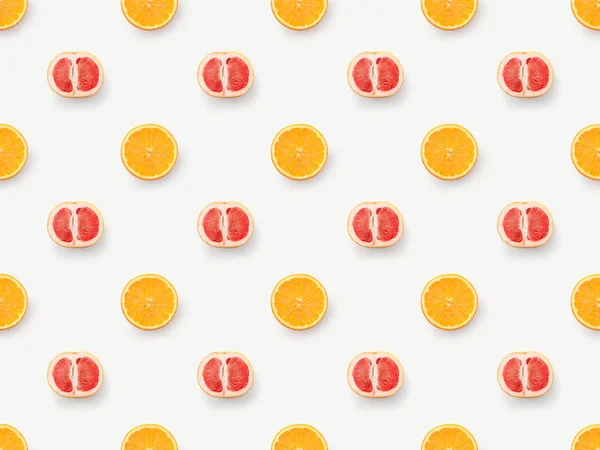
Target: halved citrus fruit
{"points": [[449, 437], [525, 374], [149, 14], [585, 302], [149, 437], [587, 12], [149, 302], [299, 152], [449, 302], [375, 74], [75, 374], [225, 374], [13, 151], [13, 301], [11, 438], [75, 224], [585, 152], [449, 152], [299, 302], [225, 74], [525, 74], [299, 14], [299, 437], [449, 14], [525, 224], [75, 74], [375, 374], [149, 152], [588, 438], [11, 13]]}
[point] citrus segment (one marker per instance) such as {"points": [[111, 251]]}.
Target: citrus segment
{"points": [[149, 437], [149, 14], [449, 437], [449, 152], [449, 302], [299, 302], [225, 374], [149, 302], [13, 152], [299, 437], [11, 13], [375, 74], [299, 14], [11, 438], [299, 152], [149, 152], [525, 74], [587, 439], [585, 302], [375, 374], [587, 12], [525, 374], [13, 301], [449, 14], [585, 152]]}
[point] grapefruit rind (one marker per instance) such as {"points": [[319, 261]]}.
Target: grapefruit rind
{"points": [[573, 151], [531, 394], [573, 301], [232, 394], [152, 327], [375, 394], [25, 151], [379, 244], [87, 394], [225, 93], [170, 436], [233, 244], [25, 301], [310, 428], [375, 94], [430, 169], [149, 27], [76, 93], [299, 27], [467, 433], [450, 27], [460, 325], [5, 427], [287, 174], [302, 327], [81, 244], [535, 244], [530, 94]]}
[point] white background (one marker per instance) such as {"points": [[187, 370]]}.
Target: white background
{"points": [[300, 226]]}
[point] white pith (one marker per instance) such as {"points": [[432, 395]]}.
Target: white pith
{"points": [[372, 357], [74, 375], [222, 57], [74, 75], [524, 226], [224, 224], [374, 226], [524, 373], [373, 56], [523, 56], [73, 206], [223, 376]]}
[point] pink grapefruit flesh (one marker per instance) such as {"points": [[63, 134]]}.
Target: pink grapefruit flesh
{"points": [[525, 374], [75, 374], [525, 224], [525, 74], [375, 224], [225, 374], [225, 224], [225, 74], [75, 224], [375, 374], [375, 74], [75, 74]]}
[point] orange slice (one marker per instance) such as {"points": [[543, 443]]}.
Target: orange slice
{"points": [[149, 437], [587, 12], [299, 14], [149, 14], [149, 152], [449, 152], [11, 438], [299, 302], [11, 13], [449, 302], [449, 437], [13, 302], [13, 151], [299, 437], [585, 152], [449, 14], [299, 152], [149, 302], [585, 302], [587, 439]]}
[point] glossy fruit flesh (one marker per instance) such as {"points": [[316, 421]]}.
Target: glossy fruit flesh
{"points": [[375, 225], [525, 375], [225, 375], [75, 225], [226, 74], [75, 375], [225, 224], [75, 75], [525, 75], [375, 74], [375, 374], [525, 224]]}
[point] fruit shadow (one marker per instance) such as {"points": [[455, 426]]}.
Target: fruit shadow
{"points": [[545, 401], [96, 250], [385, 403], [84, 104], [384, 253], [80, 405]]}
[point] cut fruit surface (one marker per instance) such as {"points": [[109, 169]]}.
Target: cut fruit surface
{"points": [[587, 12], [13, 301], [525, 374], [75, 374], [149, 14], [375, 74], [449, 437], [585, 302], [149, 152], [225, 224], [375, 374], [449, 302], [585, 152], [375, 224], [149, 437], [75, 224], [13, 152], [525, 74], [449, 14], [11, 438], [225, 374], [588, 438], [299, 437], [299, 152], [299, 14], [225, 74], [299, 302], [75, 74], [525, 224], [449, 152], [11, 13], [149, 302]]}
